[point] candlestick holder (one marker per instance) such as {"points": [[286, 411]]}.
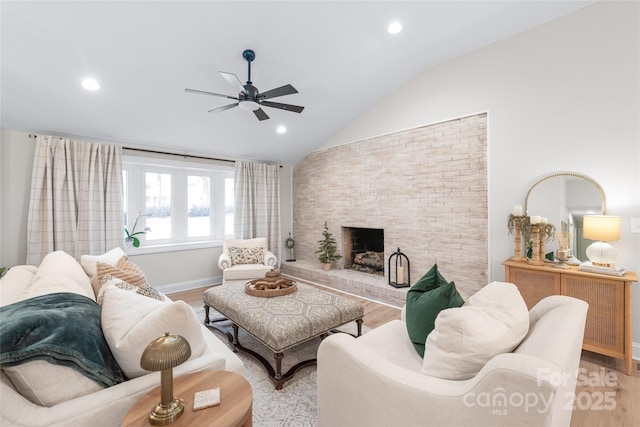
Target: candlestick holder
{"points": [[542, 243], [517, 231], [399, 272], [535, 246], [547, 231]]}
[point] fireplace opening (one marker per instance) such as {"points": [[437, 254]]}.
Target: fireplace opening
{"points": [[363, 249]]}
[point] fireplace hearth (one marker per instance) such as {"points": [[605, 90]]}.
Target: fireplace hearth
{"points": [[363, 249]]}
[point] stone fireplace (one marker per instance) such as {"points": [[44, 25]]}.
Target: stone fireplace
{"points": [[424, 189], [363, 249]]}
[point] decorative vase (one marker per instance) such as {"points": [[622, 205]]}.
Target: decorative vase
{"points": [[128, 242], [326, 266]]}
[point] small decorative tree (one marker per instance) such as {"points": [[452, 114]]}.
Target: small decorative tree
{"points": [[327, 247]]}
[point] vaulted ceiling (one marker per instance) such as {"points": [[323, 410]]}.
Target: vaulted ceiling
{"points": [[338, 55]]}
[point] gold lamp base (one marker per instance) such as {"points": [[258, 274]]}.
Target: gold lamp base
{"points": [[162, 415]]}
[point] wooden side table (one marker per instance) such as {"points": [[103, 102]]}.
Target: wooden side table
{"points": [[609, 319], [236, 399]]}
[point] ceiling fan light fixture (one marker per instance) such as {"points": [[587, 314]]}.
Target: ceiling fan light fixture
{"points": [[249, 105]]}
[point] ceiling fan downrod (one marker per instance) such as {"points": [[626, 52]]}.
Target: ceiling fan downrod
{"points": [[249, 55]]}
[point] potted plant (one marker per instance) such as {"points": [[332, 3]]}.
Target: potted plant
{"points": [[327, 249], [131, 235]]}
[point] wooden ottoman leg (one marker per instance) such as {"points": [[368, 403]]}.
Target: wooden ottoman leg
{"points": [[206, 314], [359, 323], [278, 375], [235, 337]]}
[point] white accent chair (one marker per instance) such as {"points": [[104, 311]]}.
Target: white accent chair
{"points": [[235, 271], [377, 379]]}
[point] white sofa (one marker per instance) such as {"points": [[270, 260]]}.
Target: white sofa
{"points": [[234, 266], [377, 379], [102, 406]]}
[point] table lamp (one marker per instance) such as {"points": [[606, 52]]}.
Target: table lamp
{"points": [[603, 228], [163, 354]]}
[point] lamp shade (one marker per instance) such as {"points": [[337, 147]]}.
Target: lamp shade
{"points": [[605, 228], [165, 352]]}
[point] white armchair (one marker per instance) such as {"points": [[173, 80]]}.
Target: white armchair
{"points": [[246, 259], [377, 379]]}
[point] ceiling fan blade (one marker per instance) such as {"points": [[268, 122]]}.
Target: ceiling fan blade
{"points": [[288, 107], [234, 81], [204, 92], [260, 114], [279, 91], [226, 107]]}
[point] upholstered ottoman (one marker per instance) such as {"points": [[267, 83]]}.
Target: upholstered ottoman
{"points": [[282, 322]]}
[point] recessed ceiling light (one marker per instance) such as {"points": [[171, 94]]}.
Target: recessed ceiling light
{"points": [[90, 84], [281, 129], [394, 28]]}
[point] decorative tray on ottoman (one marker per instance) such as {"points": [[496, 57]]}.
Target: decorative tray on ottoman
{"points": [[272, 285]]}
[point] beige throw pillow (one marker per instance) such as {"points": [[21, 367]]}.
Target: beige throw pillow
{"points": [[246, 255], [89, 262], [125, 269], [492, 322], [144, 290], [131, 321], [46, 384]]}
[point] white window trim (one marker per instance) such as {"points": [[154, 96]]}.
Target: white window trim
{"points": [[137, 165]]}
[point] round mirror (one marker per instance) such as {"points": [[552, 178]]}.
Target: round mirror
{"points": [[564, 198]]}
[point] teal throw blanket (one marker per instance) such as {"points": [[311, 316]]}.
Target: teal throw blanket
{"points": [[62, 328]]}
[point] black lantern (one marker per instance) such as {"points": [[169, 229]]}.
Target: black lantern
{"points": [[402, 271]]}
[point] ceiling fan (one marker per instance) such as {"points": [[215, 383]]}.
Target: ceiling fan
{"points": [[249, 98]]}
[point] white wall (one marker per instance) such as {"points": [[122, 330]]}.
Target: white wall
{"points": [[562, 96], [16, 159]]}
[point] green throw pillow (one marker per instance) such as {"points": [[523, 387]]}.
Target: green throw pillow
{"points": [[425, 300]]}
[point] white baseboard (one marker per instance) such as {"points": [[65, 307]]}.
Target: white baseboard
{"points": [[635, 350], [191, 284]]}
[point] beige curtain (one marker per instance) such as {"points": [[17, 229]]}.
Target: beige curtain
{"points": [[257, 203], [76, 198]]}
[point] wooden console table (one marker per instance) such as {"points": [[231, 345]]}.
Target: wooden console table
{"points": [[608, 327]]}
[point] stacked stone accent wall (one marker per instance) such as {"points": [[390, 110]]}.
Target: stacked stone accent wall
{"points": [[426, 187]]}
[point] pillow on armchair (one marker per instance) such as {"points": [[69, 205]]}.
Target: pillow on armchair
{"points": [[246, 258], [246, 255], [425, 300], [492, 322]]}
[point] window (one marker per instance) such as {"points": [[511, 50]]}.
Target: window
{"points": [[181, 202], [158, 204], [199, 205]]}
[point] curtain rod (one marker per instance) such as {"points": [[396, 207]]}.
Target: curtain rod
{"points": [[143, 150]]}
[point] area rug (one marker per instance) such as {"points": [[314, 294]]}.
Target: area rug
{"points": [[294, 405]]}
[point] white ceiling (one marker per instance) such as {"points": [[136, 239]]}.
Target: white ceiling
{"points": [[338, 55]]}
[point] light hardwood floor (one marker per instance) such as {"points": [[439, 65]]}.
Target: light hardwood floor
{"points": [[605, 396]]}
